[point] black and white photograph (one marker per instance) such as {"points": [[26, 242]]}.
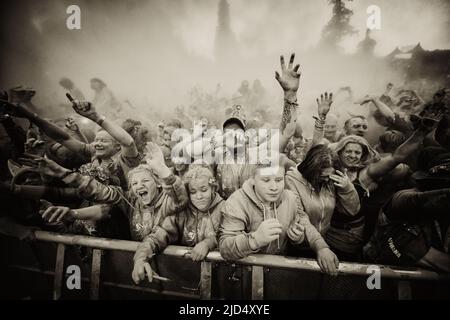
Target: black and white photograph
{"points": [[225, 150]]}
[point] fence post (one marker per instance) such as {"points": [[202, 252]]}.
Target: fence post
{"points": [[205, 280], [95, 273], [257, 283], [59, 270]]}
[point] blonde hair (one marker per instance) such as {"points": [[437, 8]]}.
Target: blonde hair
{"points": [[140, 168], [198, 171]]}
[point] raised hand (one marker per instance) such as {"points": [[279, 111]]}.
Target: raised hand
{"points": [[155, 160], [324, 104], [341, 179], [84, 108], [72, 125], [290, 76]]}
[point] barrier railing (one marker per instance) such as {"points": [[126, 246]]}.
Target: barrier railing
{"points": [[257, 263]]}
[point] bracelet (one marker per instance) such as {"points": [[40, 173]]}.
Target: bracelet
{"points": [[320, 122], [290, 102]]}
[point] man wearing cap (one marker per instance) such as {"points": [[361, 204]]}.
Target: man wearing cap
{"points": [[233, 168]]}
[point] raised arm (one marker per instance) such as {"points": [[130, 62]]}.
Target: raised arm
{"points": [[289, 81], [88, 188], [384, 110], [87, 110], [172, 185], [51, 130], [382, 167], [323, 107]]}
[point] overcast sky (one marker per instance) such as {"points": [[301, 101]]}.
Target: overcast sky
{"points": [[158, 49]]}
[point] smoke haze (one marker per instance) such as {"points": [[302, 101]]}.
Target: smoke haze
{"points": [[154, 52]]}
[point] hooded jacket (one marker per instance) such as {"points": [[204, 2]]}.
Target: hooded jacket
{"points": [[242, 214], [143, 219], [370, 155], [320, 206], [187, 228]]}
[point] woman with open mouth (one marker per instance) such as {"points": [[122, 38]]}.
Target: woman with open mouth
{"points": [[194, 227], [154, 193]]}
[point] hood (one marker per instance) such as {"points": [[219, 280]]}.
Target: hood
{"points": [[371, 154], [249, 190]]}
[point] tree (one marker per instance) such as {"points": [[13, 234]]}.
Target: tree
{"points": [[338, 27], [225, 41]]}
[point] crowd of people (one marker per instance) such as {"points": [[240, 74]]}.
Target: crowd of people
{"points": [[341, 194]]}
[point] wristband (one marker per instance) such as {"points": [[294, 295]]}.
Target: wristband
{"points": [[291, 102]]}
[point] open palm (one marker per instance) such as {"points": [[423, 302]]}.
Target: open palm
{"points": [[290, 76]]}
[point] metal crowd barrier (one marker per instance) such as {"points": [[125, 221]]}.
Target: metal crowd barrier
{"points": [[257, 262]]}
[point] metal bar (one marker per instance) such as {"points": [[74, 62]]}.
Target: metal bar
{"points": [[404, 290], [271, 261], [257, 283], [113, 284], [150, 290], [95, 273], [205, 280], [59, 270]]}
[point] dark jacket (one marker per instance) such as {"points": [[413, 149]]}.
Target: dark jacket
{"points": [[409, 224]]}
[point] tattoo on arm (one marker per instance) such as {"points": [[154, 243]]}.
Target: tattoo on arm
{"points": [[289, 110]]}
